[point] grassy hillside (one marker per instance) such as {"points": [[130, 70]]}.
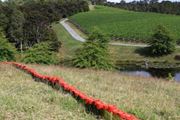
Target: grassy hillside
{"points": [[21, 98], [147, 98], [118, 53], [126, 24]]}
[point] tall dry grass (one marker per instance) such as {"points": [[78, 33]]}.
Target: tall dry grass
{"points": [[147, 98], [21, 98]]}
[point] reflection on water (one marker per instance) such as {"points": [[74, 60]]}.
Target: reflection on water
{"points": [[148, 74], [177, 77], [139, 73]]}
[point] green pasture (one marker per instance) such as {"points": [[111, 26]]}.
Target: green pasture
{"points": [[133, 26]]}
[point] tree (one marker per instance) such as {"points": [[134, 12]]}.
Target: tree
{"points": [[153, 1], [3, 17], [167, 7], [94, 53], [3, 21], [40, 53], [161, 42], [28, 22], [51, 38], [98, 1], [122, 2], [35, 26], [7, 51], [15, 27]]}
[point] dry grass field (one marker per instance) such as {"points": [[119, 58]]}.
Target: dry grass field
{"points": [[147, 98], [21, 98]]}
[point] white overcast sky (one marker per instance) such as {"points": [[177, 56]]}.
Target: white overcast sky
{"points": [[126, 0], [132, 0]]}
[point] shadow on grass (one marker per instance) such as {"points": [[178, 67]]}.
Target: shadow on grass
{"points": [[146, 52]]}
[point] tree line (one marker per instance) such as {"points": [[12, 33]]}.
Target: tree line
{"points": [[98, 1], [28, 22], [166, 7]]}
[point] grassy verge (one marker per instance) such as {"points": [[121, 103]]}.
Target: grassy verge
{"points": [[23, 99], [69, 45], [147, 98]]}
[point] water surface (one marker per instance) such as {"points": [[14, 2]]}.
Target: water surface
{"points": [[143, 73]]}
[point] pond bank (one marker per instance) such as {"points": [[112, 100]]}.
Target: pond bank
{"points": [[160, 69]]}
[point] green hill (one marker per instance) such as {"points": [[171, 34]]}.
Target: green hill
{"points": [[130, 25]]}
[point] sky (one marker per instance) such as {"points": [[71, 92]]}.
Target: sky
{"points": [[128, 0], [132, 0]]}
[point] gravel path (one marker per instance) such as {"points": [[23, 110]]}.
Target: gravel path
{"points": [[128, 44], [73, 33]]}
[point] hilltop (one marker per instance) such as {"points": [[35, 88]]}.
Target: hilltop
{"points": [[124, 24]]}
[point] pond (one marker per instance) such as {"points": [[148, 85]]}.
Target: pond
{"points": [[160, 73]]}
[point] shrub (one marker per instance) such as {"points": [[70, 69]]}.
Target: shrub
{"points": [[178, 41], [162, 42], [40, 53], [7, 51], [94, 53], [51, 37]]}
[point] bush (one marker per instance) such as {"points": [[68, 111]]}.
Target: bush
{"points": [[40, 53], [162, 42], [7, 51], [178, 41], [51, 37], [94, 53]]}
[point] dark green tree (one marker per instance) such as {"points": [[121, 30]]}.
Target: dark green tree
{"points": [[162, 42], [35, 26], [94, 53], [40, 53], [3, 20], [15, 27], [28, 22], [3, 16], [7, 51], [98, 1], [51, 37]]}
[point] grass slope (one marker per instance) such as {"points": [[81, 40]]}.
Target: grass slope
{"points": [[147, 98], [23, 99], [69, 45], [126, 24], [122, 53]]}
